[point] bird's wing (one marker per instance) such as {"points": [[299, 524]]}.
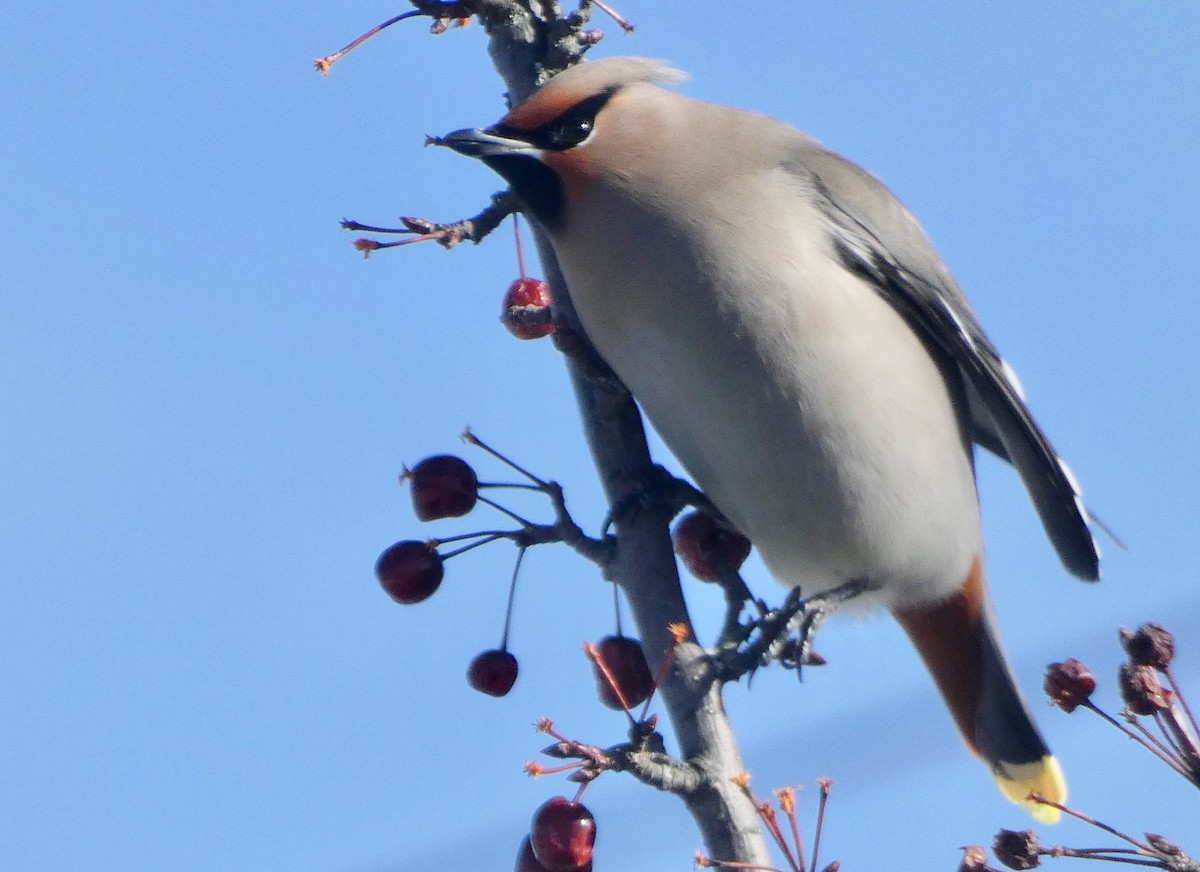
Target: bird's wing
{"points": [[878, 237]]}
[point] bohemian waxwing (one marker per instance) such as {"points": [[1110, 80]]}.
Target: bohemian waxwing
{"points": [[791, 333]]}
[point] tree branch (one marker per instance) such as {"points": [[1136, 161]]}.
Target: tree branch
{"points": [[527, 45]]}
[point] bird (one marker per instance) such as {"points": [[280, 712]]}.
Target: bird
{"points": [[788, 328]]}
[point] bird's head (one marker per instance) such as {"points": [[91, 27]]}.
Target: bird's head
{"points": [[568, 125]]}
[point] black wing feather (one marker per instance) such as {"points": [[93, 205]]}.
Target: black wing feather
{"points": [[1049, 483]]}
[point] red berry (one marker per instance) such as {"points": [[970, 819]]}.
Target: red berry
{"points": [[493, 672], [409, 571], [526, 304], [527, 862], [627, 665], [443, 486], [707, 548], [562, 835]]}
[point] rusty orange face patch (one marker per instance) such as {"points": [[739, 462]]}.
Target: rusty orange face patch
{"points": [[543, 107], [574, 172]]}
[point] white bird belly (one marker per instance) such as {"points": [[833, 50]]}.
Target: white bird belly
{"points": [[800, 401]]}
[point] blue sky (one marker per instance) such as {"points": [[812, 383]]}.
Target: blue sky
{"points": [[208, 395]]}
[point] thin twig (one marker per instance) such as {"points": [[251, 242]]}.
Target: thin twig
{"points": [[473, 229]]}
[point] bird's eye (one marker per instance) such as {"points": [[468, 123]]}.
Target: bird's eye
{"points": [[568, 132], [573, 126]]}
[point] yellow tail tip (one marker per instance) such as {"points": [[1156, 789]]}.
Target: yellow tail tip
{"points": [[1043, 777]]}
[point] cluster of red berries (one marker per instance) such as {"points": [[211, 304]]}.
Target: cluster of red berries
{"points": [[445, 486], [562, 833], [442, 487]]}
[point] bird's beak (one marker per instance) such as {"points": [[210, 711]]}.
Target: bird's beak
{"points": [[479, 143]]}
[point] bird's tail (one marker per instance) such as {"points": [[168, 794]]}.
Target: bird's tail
{"points": [[958, 641]]}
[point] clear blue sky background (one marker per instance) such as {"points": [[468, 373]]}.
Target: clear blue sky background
{"points": [[207, 395]]}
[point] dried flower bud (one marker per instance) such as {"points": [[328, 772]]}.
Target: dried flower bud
{"points": [[1152, 645], [1166, 849], [1017, 850], [1141, 690], [561, 751], [974, 859], [833, 867], [420, 226], [1069, 684]]}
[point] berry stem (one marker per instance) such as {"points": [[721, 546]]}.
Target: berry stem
{"points": [[512, 592], [484, 541], [678, 636], [1176, 728], [1087, 819], [622, 22], [471, 439], [1182, 699], [1169, 738], [594, 655], [824, 801], [772, 821], [366, 246], [1083, 854], [787, 802], [617, 609], [536, 770], [520, 248], [1105, 854], [479, 534], [1156, 746], [499, 508], [766, 814], [1149, 742], [323, 64]]}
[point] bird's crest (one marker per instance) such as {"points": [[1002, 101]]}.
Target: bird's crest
{"points": [[587, 80]]}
